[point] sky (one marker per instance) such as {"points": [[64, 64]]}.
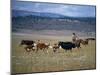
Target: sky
{"points": [[62, 9]]}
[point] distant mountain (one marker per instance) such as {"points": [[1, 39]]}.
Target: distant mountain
{"points": [[49, 21], [17, 13], [23, 13]]}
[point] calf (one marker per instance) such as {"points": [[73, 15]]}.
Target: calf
{"points": [[28, 48], [55, 47]]}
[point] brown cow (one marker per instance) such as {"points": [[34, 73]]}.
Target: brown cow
{"points": [[84, 42], [42, 46]]}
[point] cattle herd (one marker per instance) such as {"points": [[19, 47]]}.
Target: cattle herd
{"points": [[31, 45]]}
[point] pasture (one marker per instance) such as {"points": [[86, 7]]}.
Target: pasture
{"points": [[30, 62]]}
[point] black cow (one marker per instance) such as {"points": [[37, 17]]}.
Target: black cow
{"points": [[27, 42], [67, 45], [29, 45]]}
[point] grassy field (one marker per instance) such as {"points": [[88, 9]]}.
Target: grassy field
{"points": [[24, 62]]}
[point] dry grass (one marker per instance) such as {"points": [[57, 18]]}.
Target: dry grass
{"points": [[24, 62]]}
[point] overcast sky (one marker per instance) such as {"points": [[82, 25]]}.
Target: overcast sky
{"points": [[63, 9]]}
